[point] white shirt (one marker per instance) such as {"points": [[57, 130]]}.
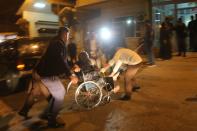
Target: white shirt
{"points": [[126, 56]]}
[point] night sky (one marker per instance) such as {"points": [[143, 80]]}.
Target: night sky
{"points": [[8, 9]]}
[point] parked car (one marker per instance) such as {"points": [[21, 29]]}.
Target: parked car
{"points": [[17, 59]]}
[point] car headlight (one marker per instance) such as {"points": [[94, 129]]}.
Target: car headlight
{"points": [[20, 67]]}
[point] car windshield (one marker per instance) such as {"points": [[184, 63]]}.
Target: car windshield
{"points": [[32, 47]]}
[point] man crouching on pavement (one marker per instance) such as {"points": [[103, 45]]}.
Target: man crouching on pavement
{"points": [[46, 73], [130, 61]]}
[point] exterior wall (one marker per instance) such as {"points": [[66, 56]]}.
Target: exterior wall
{"points": [[81, 3], [33, 17], [120, 8]]}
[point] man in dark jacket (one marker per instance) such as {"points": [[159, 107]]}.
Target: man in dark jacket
{"points": [[72, 51], [148, 43], [191, 29], [181, 37], [51, 66]]}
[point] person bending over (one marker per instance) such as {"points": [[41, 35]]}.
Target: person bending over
{"points": [[125, 58]]}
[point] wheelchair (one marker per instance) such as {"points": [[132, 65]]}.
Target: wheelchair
{"points": [[92, 90]]}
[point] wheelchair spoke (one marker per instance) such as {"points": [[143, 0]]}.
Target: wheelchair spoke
{"points": [[88, 95]]}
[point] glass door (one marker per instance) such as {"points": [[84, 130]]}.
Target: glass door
{"points": [[186, 10]]}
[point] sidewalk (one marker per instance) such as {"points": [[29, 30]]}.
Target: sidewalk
{"points": [[167, 101]]}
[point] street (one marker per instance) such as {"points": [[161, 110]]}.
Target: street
{"points": [[167, 101]]}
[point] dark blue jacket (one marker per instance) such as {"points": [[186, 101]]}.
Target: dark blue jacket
{"points": [[54, 61]]}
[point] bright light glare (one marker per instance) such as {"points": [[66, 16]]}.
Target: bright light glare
{"points": [[11, 37], [34, 46], [39, 5], [128, 21], [1, 40], [20, 66], [105, 33]]}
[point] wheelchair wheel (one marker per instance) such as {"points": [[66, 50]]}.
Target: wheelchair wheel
{"points": [[106, 99], [88, 95]]}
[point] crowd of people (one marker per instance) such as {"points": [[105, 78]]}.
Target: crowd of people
{"points": [[182, 32], [54, 63], [45, 77]]}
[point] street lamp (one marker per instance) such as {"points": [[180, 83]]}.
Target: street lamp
{"points": [[129, 21], [105, 33], [39, 5]]}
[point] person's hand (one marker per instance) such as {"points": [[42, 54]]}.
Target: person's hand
{"points": [[110, 75], [76, 68], [74, 79], [103, 70], [35, 75], [116, 89]]}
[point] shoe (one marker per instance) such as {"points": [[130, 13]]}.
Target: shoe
{"points": [[43, 116], [55, 124], [151, 65], [135, 88], [125, 98], [116, 89], [24, 114]]}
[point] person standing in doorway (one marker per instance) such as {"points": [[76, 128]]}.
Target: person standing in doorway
{"points": [[191, 33], [181, 37], [165, 45], [148, 43], [195, 33]]}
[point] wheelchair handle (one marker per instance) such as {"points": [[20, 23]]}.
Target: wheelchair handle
{"points": [[69, 85]]}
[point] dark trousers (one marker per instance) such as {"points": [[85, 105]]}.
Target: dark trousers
{"points": [[181, 43], [149, 52], [192, 41]]}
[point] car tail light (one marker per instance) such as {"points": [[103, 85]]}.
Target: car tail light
{"points": [[20, 66]]}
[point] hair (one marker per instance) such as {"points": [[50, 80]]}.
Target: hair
{"points": [[180, 19], [148, 21], [84, 57], [84, 61], [61, 30], [163, 25]]}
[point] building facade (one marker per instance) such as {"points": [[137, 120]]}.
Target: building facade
{"points": [[127, 16], [173, 9], [41, 20]]}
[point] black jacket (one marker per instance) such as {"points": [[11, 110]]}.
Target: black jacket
{"points": [[54, 61]]}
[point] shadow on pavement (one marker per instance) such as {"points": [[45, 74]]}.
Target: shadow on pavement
{"points": [[14, 101], [4, 121], [191, 99]]}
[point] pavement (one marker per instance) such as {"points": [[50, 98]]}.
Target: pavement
{"points": [[167, 101]]}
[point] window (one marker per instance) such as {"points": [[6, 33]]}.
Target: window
{"points": [[129, 26]]}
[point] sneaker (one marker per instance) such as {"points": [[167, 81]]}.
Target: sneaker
{"points": [[24, 114], [125, 98], [43, 116], [55, 124], [135, 88], [151, 65]]}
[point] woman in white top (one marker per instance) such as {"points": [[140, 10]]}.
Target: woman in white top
{"points": [[125, 58]]}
